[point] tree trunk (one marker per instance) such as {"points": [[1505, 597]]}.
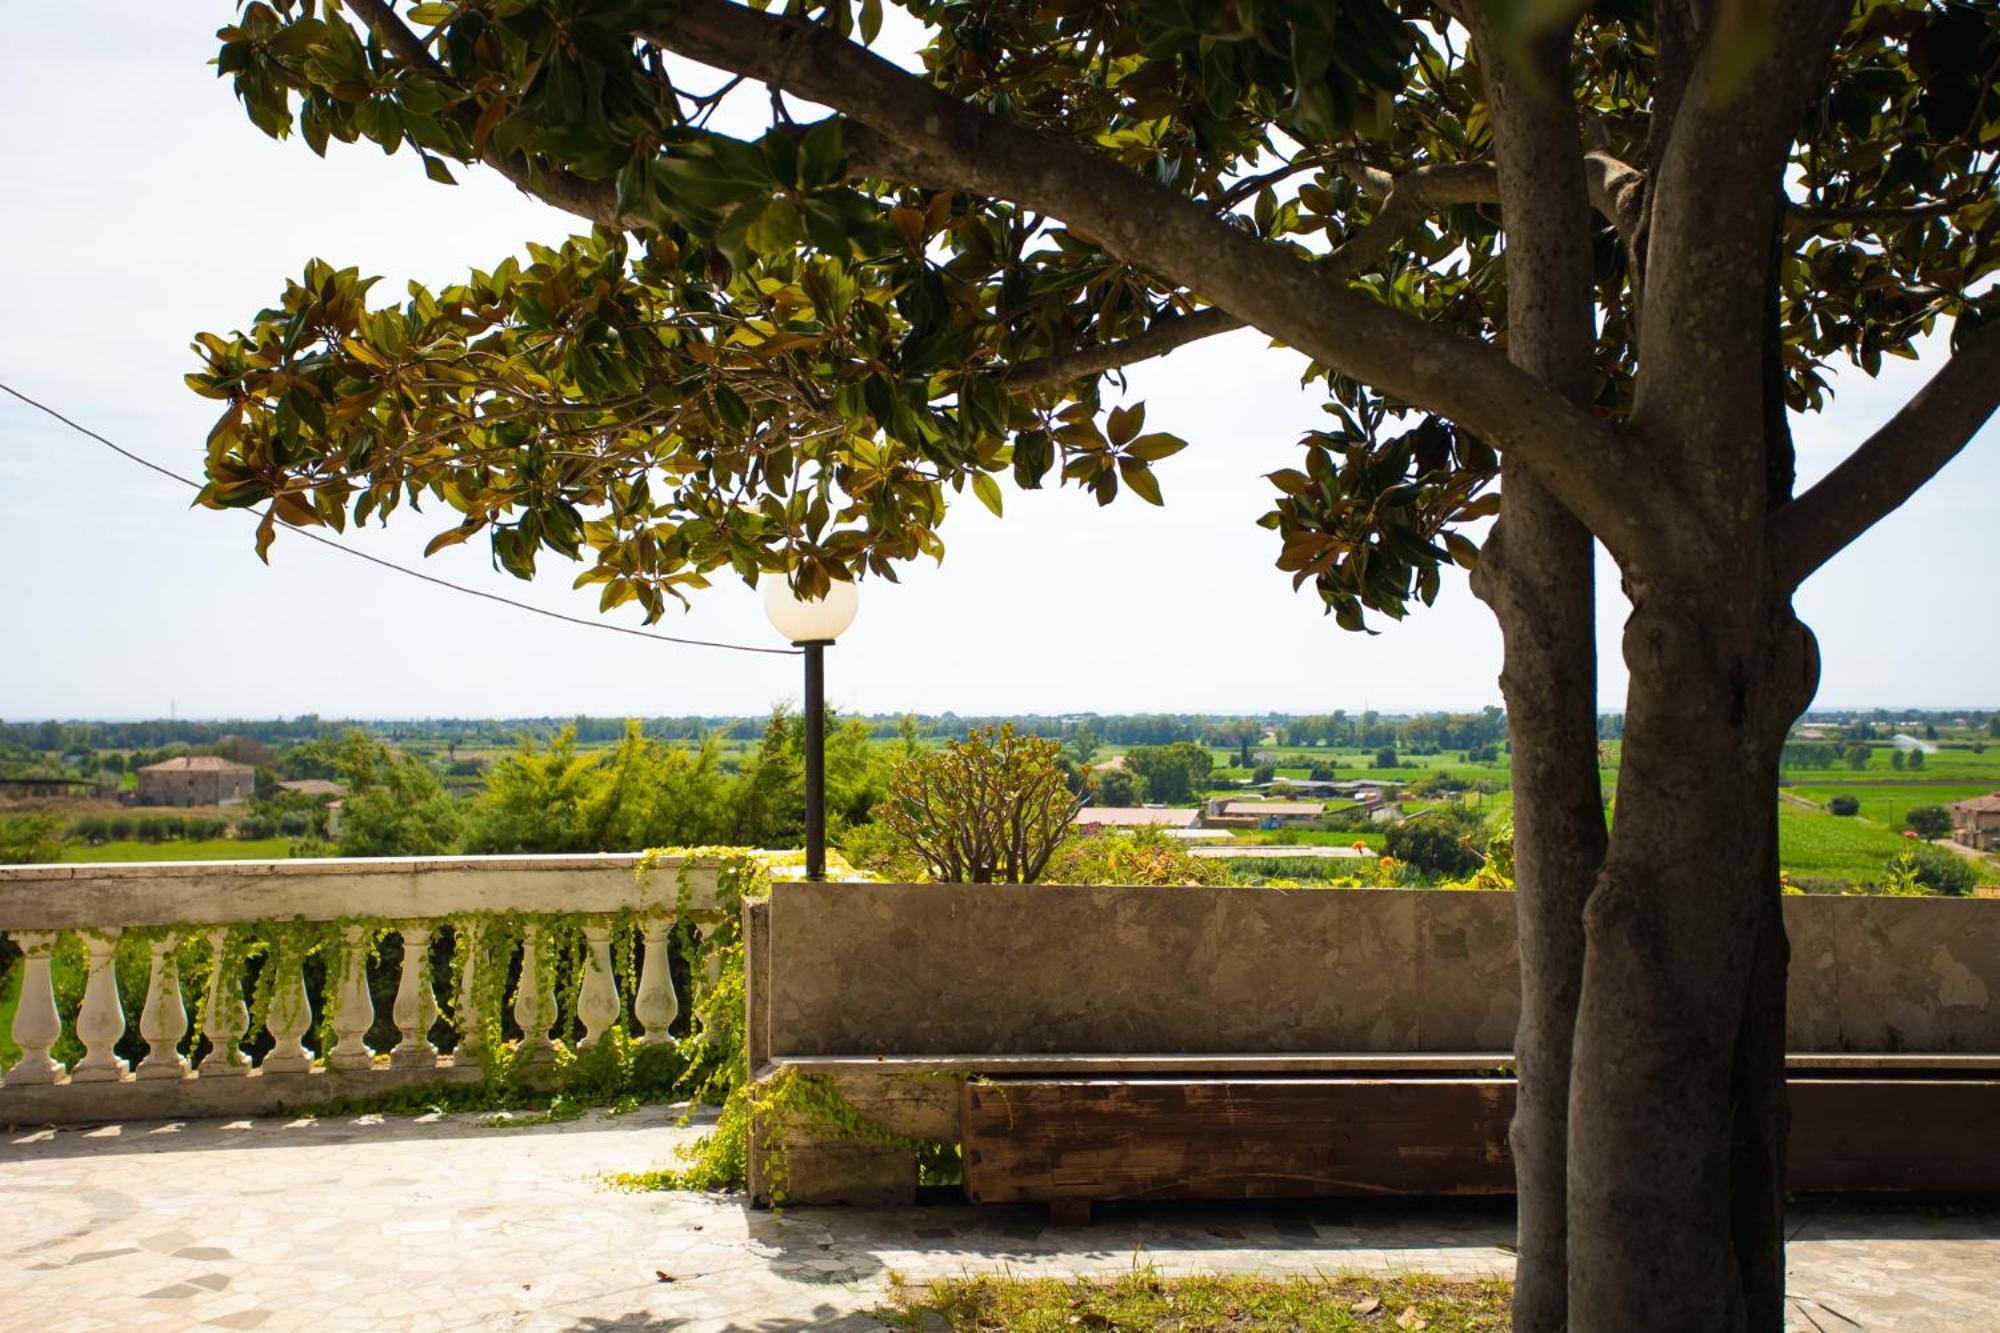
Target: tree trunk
{"points": [[1676, 1125], [1536, 572]]}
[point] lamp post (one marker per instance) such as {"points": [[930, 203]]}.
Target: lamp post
{"points": [[812, 626]]}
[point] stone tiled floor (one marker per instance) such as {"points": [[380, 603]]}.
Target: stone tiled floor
{"points": [[443, 1223]]}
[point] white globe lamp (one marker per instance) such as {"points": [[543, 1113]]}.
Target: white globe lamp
{"points": [[813, 626]]}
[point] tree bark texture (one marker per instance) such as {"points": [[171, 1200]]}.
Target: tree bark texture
{"points": [[1537, 573], [1676, 1127]]}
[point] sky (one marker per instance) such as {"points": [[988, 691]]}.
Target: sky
{"points": [[141, 207]]}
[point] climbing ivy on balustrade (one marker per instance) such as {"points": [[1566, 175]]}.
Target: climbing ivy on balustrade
{"points": [[249, 960]]}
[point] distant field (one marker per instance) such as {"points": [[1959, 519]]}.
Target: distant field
{"points": [[214, 849], [1887, 803], [1961, 766], [1815, 845]]}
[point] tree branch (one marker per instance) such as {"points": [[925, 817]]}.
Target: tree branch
{"points": [[1714, 197], [1577, 455], [1805, 219], [1930, 430], [1408, 200], [1165, 336]]}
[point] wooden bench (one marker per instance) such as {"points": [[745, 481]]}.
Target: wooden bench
{"points": [[1072, 1142]]}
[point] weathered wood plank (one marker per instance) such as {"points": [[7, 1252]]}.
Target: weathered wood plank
{"points": [[1895, 1134], [1236, 1138], [1109, 1139]]}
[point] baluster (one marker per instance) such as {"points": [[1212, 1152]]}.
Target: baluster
{"points": [[164, 1018], [656, 1006], [528, 1011], [597, 1003], [470, 1023], [416, 1002], [227, 1017], [37, 1025], [711, 968], [101, 1021], [290, 1017], [353, 1005]]}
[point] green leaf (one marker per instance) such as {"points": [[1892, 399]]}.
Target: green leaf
{"points": [[450, 537], [822, 156], [777, 228], [1141, 479], [729, 405], [1152, 448], [988, 491], [1124, 422], [437, 170]]}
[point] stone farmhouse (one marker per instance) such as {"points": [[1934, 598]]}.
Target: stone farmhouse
{"points": [[196, 779], [1976, 823]]}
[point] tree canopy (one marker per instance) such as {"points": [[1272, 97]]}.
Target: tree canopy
{"points": [[791, 351]]}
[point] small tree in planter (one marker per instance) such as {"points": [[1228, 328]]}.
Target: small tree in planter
{"points": [[989, 809]]}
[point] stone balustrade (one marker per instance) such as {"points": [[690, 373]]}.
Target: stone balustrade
{"points": [[400, 950]]}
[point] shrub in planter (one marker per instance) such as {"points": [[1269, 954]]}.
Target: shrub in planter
{"points": [[991, 808]]}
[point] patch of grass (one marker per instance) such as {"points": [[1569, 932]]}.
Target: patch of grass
{"points": [[1814, 845], [1145, 1300], [208, 849]]}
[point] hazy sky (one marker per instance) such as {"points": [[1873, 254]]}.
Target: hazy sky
{"points": [[140, 207]]}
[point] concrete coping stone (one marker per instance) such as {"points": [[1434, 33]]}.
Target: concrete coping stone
{"points": [[1223, 1063]]}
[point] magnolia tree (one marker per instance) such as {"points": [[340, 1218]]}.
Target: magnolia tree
{"points": [[1569, 264]]}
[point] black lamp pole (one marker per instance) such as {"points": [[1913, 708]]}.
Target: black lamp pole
{"points": [[815, 651]]}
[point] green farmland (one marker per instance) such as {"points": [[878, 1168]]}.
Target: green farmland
{"points": [[204, 849]]}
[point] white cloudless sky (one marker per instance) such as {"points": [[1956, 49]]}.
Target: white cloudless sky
{"points": [[139, 207]]}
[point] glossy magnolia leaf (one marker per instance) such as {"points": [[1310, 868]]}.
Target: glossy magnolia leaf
{"points": [[1152, 448], [1141, 479]]}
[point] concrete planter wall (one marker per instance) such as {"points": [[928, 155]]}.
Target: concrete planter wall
{"points": [[898, 994], [918, 970]]}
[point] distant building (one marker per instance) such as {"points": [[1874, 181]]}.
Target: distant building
{"points": [[1976, 823], [1353, 789], [1135, 816], [1226, 813], [45, 786], [315, 787], [196, 779]]}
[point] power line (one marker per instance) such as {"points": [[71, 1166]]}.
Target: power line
{"points": [[330, 544]]}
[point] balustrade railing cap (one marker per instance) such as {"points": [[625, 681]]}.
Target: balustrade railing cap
{"points": [[120, 894]]}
